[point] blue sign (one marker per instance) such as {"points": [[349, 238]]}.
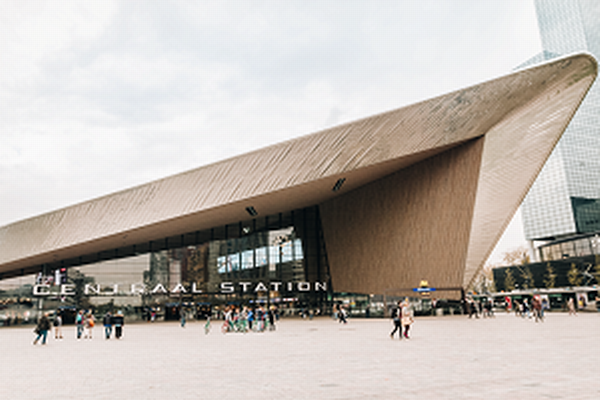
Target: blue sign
{"points": [[424, 289]]}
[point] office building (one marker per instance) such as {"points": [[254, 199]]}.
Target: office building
{"points": [[564, 202]]}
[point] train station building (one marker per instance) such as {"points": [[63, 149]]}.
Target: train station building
{"points": [[370, 207]]}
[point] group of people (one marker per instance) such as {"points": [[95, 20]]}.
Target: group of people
{"points": [[341, 314], [476, 308], [117, 320], [534, 310], [245, 319], [402, 318], [84, 323]]}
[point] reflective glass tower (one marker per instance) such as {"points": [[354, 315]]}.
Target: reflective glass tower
{"points": [[565, 199]]}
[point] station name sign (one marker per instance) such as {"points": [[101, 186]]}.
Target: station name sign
{"points": [[140, 289]]}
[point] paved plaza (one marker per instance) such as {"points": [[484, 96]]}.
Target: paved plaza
{"points": [[448, 357]]}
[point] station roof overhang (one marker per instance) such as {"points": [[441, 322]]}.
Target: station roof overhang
{"points": [[521, 117]]}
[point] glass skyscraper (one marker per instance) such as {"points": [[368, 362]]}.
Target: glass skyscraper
{"points": [[565, 199]]}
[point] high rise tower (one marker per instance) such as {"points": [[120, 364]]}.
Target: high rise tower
{"points": [[565, 199]]}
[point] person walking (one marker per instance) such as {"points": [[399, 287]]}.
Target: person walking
{"points": [[397, 321], [536, 304], [260, 319], [79, 323], [272, 318], [107, 322], [407, 317], [89, 323], [571, 306], [243, 319], [250, 318], [57, 326], [342, 314], [526, 309], [118, 321], [182, 317], [43, 325]]}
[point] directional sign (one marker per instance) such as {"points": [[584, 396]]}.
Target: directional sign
{"points": [[423, 289]]}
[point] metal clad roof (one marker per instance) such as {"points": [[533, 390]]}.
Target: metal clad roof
{"points": [[303, 170]]}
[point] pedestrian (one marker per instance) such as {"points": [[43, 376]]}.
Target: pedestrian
{"points": [[260, 319], [228, 317], [89, 325], [107, 322], [343, 315], [243, 319], [545, 306], [272, 318], [182, 318], [57, 326], [79, 323], [407, 317], [397, 321], [118, 321], [250, 318], [472, 307], [517, 308], [43, 325], [526, 309], [571, 306], [536, 304]]}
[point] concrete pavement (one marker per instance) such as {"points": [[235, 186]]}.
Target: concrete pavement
{"points": [[448, 357]]}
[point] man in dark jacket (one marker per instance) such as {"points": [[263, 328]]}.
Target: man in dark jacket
{"points": [[397, 320], [107, 322], [42, 328], [118, 320]]}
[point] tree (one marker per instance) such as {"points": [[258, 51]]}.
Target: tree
{"points": [[79, 279], [518, 256], [527, 276], [485, 281], [509, 281], [550, 277], [596, 272], [573, 276]]}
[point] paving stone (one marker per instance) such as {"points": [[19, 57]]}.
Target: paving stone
{"points": [[448, 357]]}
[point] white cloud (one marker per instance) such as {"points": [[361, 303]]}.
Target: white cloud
{"points": [[97, 97]]}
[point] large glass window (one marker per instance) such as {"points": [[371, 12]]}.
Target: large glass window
{"points": [[240, 256]]}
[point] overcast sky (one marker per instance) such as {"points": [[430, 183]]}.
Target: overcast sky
{"points": [[100, 96]]}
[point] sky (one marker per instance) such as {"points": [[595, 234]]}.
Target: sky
{"points": [[97, 97]]}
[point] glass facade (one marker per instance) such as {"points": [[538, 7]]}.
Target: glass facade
{"points": [[580, 246], [565, 199], [274, 260]]}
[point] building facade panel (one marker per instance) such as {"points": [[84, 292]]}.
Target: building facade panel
{"points": [[389, 235]]}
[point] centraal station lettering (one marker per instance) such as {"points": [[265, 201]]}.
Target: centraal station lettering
{"points": [[141, 289]]}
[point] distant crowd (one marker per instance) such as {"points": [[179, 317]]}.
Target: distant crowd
{"points": [[84, 323]]}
